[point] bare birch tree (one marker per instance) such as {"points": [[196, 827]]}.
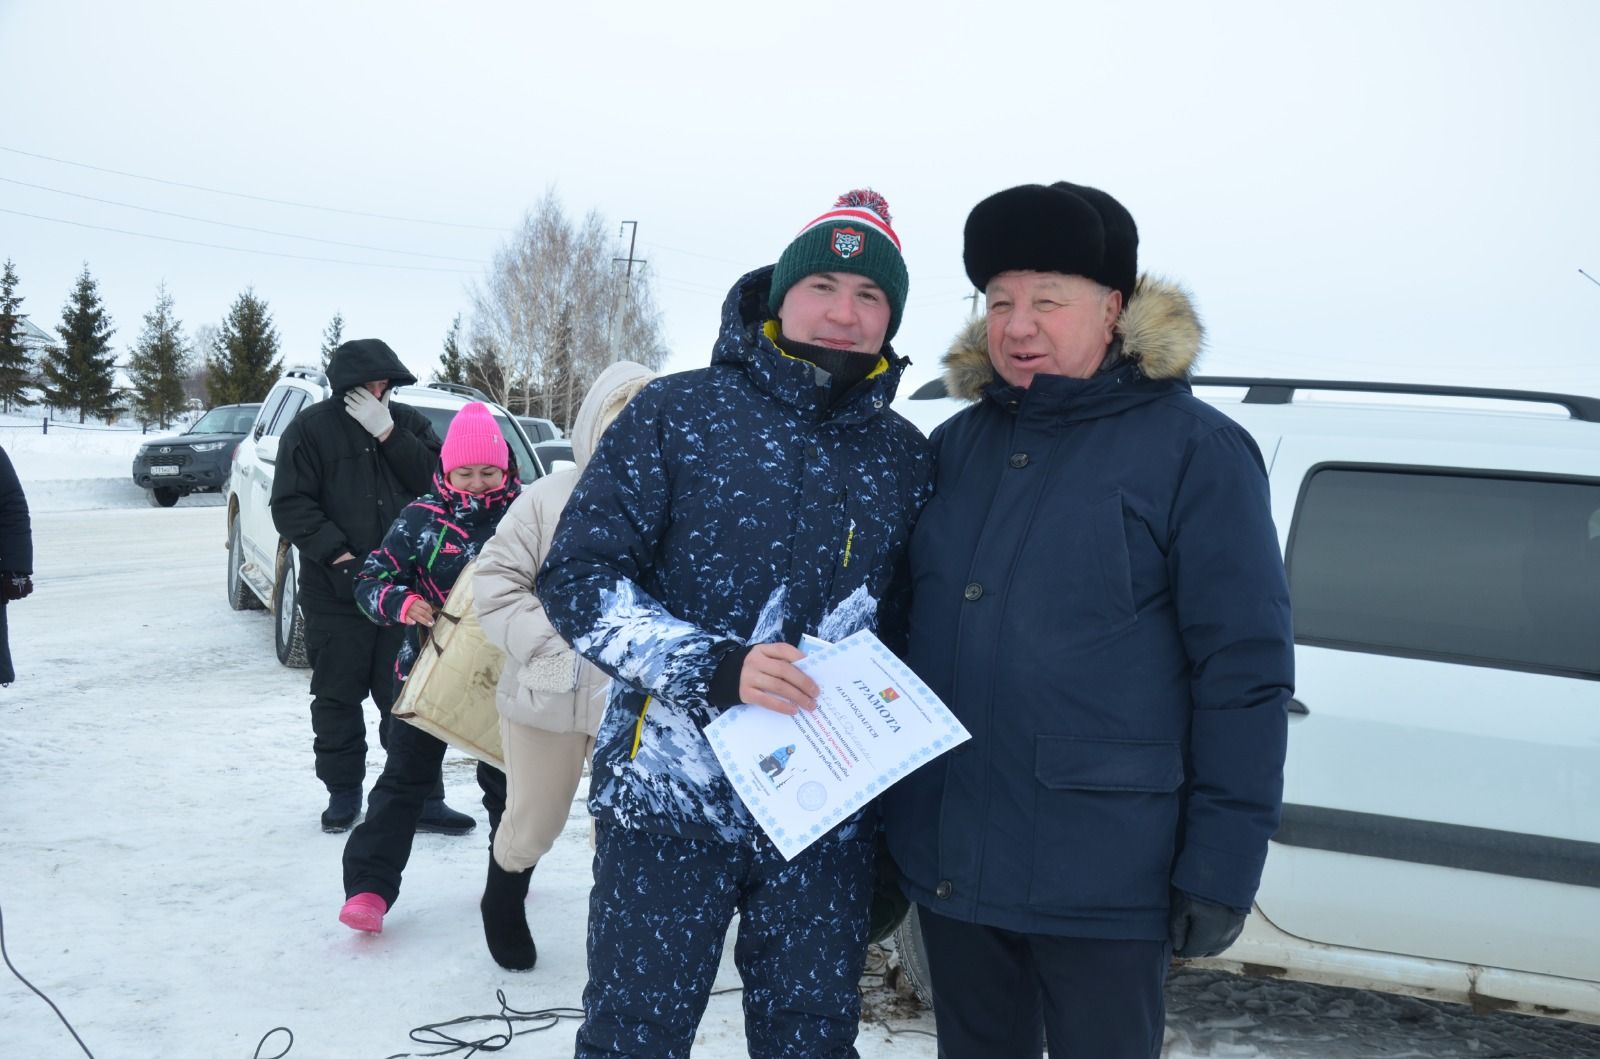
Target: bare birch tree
{"points": [[554, 309]]}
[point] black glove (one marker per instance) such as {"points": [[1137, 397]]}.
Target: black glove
{"points": [[1199, 927], [15, 586]]}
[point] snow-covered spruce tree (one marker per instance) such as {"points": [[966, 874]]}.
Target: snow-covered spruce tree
{"points": [[452, 365], [158, 364], [81, 372], [243, 363], [16, 365], [332, 337]]}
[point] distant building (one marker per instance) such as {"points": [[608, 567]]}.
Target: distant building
{"points": [[34, 343], [33, 339]]}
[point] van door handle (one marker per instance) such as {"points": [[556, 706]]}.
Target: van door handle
{"points": [[1296, 706]]}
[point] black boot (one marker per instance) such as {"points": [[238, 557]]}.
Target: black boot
{"points": [[343, 808], [505, 922], [439, 819]]}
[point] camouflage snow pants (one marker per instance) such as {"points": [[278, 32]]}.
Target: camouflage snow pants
{"points": [[658, 914]]}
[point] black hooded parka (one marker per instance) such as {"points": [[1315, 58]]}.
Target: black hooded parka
{"points": [[336, 488]]}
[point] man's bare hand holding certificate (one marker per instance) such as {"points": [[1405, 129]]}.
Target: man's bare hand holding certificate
{"points": [[800, 771]]}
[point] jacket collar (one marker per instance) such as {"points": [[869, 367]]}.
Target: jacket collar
{"points": [[1057, 398], [468, 507]]}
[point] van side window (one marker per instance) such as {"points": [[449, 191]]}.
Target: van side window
{"points": [[291, 408], [275, 401], [1484, 570]]}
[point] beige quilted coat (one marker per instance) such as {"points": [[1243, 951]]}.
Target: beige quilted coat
{"points": [[544, 683]]}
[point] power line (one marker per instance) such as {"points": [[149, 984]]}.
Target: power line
{"points": [[706, 257], [240, 227], [687, 287], [239, 249], [244, 195]]}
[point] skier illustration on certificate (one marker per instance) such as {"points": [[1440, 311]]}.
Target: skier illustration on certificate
{"points": [[774, 763]]}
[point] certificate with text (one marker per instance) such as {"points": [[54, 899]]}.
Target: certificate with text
{"points": [[875, 722]]}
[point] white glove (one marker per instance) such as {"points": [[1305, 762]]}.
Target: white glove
{"points": [[371, 412]]}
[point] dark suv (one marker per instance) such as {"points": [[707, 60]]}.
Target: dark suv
{"points": [[196, 461]]}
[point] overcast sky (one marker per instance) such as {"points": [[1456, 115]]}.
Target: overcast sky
{"points": [[1390, 190]]}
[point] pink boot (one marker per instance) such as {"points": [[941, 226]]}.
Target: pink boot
{"points": [[364, 912]]}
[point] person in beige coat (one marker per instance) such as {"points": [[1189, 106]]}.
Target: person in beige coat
{"points": [[550, 700]]}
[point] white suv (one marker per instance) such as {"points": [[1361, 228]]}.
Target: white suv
{"points": [[1441, 819], [263, 568]]}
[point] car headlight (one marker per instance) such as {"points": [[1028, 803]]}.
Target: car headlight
{"points": [[208, 446], [144, 450]]}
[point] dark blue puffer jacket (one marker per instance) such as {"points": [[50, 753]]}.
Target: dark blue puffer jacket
{"points": [[726, 504], [1098, 595]]}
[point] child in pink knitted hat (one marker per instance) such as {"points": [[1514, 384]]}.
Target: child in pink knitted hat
{"points": [[475, 456], [405, 582]]}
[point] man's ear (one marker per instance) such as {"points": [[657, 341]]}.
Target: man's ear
{"points": [[1113, 313]]}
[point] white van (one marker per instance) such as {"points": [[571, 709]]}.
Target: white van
{"points": [[1441, 819]]}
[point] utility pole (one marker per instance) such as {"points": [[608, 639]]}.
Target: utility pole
{"points": [[973, 298], [630, 259], [627, 281]]}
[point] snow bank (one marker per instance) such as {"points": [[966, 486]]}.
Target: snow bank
{"points": [[87, 468], [69, 450]]}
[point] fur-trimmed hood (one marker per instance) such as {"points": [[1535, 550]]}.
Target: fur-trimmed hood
{"points": [[612, 389], [1161, 333]]}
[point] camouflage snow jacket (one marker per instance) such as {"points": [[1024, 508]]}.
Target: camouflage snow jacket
{"points": [[432, 540], [727, 505]]}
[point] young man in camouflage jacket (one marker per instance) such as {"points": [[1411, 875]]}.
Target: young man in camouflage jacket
{"points": [[727, 512]]}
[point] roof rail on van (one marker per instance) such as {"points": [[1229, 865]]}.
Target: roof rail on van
{"points": [[302, 371], [459, 389], [1281, 391]]}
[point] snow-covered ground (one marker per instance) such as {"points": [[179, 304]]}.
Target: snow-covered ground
{"points": [[164, 881]]}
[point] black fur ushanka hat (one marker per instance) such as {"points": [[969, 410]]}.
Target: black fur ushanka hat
{"points": [[1061, 227]]}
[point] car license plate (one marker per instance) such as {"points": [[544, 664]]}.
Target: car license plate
{"points": [[163, 469]]}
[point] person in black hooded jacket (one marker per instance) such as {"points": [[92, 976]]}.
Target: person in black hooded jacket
{"points": [[346, 467], [16, 555]]}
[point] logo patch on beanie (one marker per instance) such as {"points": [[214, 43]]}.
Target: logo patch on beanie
{"points": [[847, 242]]}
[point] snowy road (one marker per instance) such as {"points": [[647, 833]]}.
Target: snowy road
{"points": [[163, 879], [162, 875]]}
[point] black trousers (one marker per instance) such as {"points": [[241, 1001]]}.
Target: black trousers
{"points": [[351, 659], [376, 852], [996, 993], [7, 674]]}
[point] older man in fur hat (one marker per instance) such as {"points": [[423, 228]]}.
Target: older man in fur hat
{"points": [[1100, 598]]}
